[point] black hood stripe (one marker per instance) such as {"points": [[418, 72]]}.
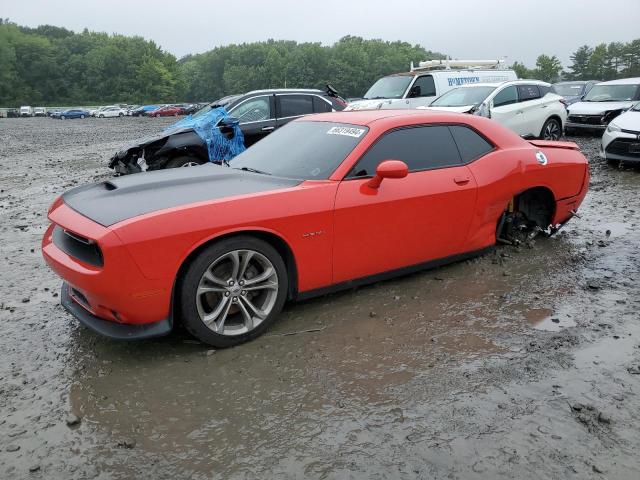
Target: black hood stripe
{"points": [[130, 196]]}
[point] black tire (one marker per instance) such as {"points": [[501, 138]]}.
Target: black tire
{"points": [[187, 286], [81, 116], [62, 117], [183, 161], [551, 130]]}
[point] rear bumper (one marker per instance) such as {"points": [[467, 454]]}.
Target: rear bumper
{"points": [[109, 329]]}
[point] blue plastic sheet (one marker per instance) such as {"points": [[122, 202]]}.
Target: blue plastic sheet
{"points": [[219, 147]]}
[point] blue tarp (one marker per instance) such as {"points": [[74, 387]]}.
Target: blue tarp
{"points": [[220, 148]]}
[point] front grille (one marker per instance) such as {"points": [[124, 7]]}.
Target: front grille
{"points": [[586, 119], [624, 146], [77, 246]]}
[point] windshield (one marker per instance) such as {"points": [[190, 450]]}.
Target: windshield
{"points": [[389, 87], [303, 150], [611, 93], [569, 89], [461, 97], [223, 102]]}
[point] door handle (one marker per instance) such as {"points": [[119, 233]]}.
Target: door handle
{"points": [[461, 180], [267, 129], [545, 106], [519, 112]]}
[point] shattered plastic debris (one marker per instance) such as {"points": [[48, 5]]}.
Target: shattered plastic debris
{"points": [[219, 147]]}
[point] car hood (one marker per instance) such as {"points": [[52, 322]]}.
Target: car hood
{"points": [[126, 197], [628, 121], [597, 108], [463, 109], [123, 152]]}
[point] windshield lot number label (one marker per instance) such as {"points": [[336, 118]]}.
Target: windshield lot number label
{"points": [[348, 131]]}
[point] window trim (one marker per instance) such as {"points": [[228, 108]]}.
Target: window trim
{"points": [[347, 176]]}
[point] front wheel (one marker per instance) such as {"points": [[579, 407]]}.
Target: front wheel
{"points": [[62, 117], [232, 291], [551, 130], [185, 161], [81, 116]]}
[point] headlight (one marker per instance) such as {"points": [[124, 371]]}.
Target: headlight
{"points": [[612, 127]]}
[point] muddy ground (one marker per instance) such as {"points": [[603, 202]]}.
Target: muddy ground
{"points": [[524, 363]]}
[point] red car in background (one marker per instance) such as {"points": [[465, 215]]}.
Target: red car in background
{"points": [[326, 202], [167, 111]]}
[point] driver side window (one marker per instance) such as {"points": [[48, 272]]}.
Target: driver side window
{"points": [[506, 96], [254, 110]]}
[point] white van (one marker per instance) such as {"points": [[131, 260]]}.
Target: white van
{"points": [[26, 111], [429, 80]]}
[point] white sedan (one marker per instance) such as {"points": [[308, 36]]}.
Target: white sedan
{"points": [[110, 112], [621, 139], [528, 107]]}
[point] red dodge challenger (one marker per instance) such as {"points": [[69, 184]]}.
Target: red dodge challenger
{"points": [[327, 202]]}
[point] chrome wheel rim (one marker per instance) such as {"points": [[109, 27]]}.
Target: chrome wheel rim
{"points": [[189, 164], [237, 292], [552, 131]]}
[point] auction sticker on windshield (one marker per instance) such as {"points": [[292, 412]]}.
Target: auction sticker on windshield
{"points": [[348, 131]]}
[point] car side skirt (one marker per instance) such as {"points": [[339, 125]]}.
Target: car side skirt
{"points": [[379, 277]]}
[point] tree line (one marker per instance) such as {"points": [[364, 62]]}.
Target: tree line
{"points": [[603, 62], [51, 65]]}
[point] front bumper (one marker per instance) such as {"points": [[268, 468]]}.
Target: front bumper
{"points": [[584, 126], [620, 146], [109, 329]]}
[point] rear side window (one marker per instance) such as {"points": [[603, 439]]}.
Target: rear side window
{"points": [[421, 148], [470, 143], [528, 92], [319, 105], [295, 105], [506, 96]]}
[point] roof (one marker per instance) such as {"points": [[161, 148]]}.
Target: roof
{"points": [[285, 90], [368, 117], [622, 81]]}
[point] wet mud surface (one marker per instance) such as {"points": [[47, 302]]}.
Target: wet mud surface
{"points": [[523, 363]]}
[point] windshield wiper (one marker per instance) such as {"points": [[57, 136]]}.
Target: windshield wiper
{"points": [[252, 170]]}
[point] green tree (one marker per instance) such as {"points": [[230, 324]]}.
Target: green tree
{"points": [[579, 69], [548, 68]]}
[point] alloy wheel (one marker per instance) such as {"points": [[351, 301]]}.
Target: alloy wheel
{"points": [[237, 292], [189, 164], [551, 131]]}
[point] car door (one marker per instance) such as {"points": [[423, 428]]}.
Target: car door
{"points": [[256, 116], [292, 106], [422, 92], [408, 221], [505, 109], [534, 110]]}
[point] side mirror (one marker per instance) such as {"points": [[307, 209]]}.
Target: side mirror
{"points": [[415, 91], [229, 122], [388, 169]]}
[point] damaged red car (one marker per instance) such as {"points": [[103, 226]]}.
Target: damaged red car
{"points": [[329, 201]]}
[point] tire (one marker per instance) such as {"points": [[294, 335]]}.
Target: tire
{"points": [[121, 114], [233, 315], [81, 116], [157, 116], [100, 116], [184, 161], [62, 117], [175, 114], [551, 130]]}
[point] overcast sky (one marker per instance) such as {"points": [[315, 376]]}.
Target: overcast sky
{"points": [[519, 30]]}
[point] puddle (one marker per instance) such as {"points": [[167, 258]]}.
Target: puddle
{"points": [[548, 320]]}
